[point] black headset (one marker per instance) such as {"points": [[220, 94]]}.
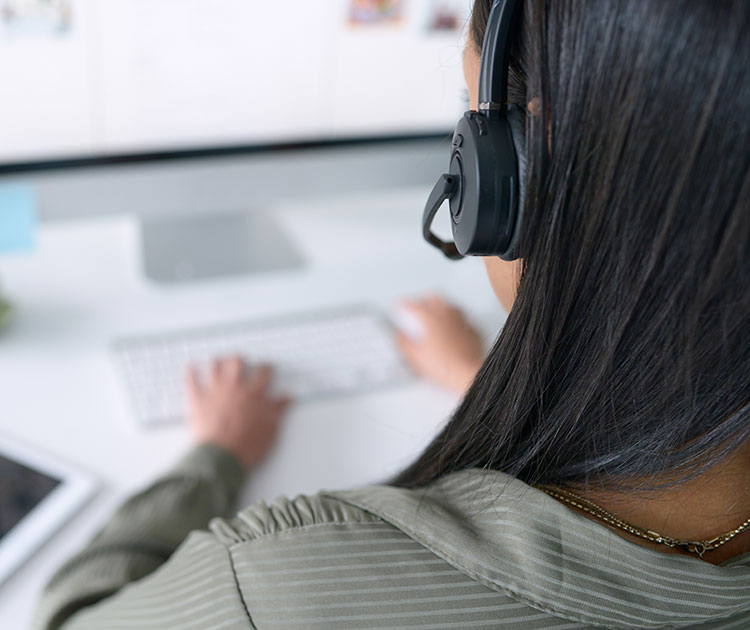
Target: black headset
{"points": [[485, 185]]}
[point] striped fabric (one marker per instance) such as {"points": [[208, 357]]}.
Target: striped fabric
{"points": [[476, 550]]}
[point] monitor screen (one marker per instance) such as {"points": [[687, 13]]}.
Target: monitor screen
{"points": [[99, 78]]}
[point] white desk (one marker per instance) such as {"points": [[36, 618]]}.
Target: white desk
{"points": [[82, 287]]}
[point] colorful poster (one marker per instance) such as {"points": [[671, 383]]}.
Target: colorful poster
{"points": [[369, 12], [446, 15]]}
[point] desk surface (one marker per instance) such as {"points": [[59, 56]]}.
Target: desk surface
{"points": [[83, 287]]}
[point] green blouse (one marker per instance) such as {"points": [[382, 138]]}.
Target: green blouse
{"points": [[474, 550]]}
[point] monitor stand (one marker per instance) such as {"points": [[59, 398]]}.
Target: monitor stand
{"points": [[181, 249]]}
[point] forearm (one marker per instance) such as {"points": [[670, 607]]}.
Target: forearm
{"points": [[144, 532]]}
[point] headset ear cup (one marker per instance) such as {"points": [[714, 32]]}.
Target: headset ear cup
{"points": [[517, 123]]}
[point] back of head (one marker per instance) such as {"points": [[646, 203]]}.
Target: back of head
{"points": [[626, 358]]}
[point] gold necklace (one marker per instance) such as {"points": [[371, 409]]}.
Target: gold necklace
{"points": [[698, 547]]}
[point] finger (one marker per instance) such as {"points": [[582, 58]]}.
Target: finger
{"points": [[194, 386], [216, 370], [261, 378], [407, 346], [234, 368]]}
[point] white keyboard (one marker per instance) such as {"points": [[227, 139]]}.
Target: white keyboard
{"points": [[346, 351]]}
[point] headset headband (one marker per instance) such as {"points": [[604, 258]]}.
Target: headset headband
{"points": [[493, 80]]}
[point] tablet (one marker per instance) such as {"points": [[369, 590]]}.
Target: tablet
{"points": [[37, 496]]}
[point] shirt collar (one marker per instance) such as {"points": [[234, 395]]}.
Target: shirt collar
{"points": [[518, 540]]}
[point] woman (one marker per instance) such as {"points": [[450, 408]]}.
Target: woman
{"points": [[597, 473]]}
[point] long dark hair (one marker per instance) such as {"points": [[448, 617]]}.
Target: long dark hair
{"points": [[626, 357]]}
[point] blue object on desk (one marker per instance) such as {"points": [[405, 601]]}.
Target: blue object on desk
{"points": [[18, 218]]}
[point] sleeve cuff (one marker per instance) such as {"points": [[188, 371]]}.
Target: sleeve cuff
{"points": [[212, 462]]}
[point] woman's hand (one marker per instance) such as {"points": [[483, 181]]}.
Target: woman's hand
{"points": [[449, 350], [234, 409]]}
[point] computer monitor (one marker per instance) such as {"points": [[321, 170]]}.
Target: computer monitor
{"points": [[192, 113]]}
